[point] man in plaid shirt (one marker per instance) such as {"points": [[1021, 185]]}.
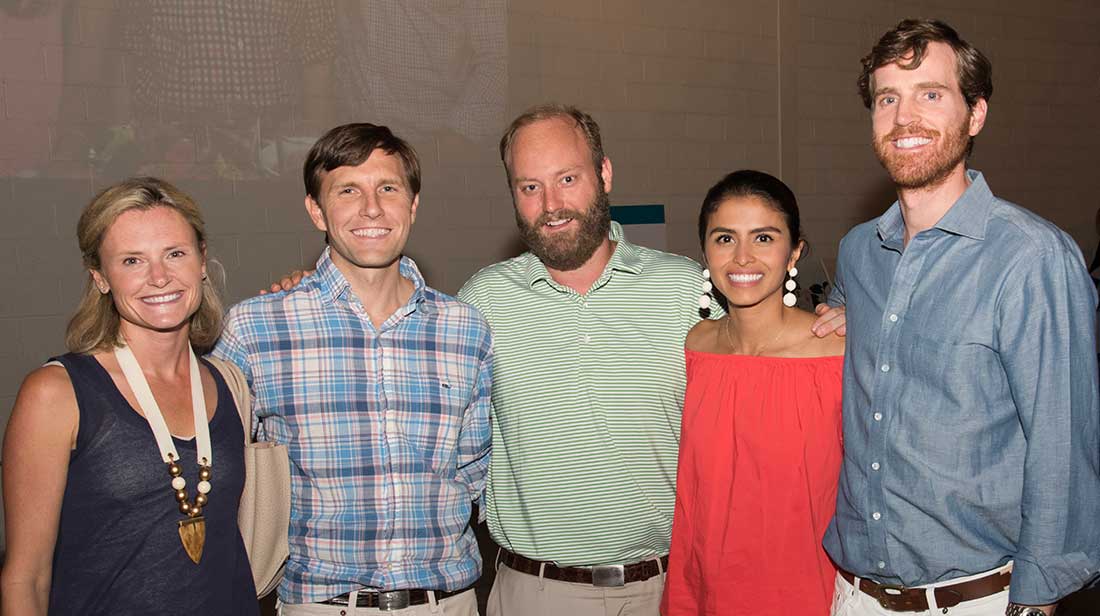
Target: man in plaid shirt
{"points": [[379, 385]]}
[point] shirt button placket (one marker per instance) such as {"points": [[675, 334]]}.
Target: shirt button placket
{"points": [[585, 320]]}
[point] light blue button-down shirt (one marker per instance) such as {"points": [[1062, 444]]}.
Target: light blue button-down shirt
{"points": [[970, 402]]}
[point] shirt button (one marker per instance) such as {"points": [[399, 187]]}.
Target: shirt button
{"points": [[877, 516], [881, 565], [587, 339], [878, 416], [885, 367], [893, 318], [874, 467]]}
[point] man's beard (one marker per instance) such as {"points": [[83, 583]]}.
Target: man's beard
{"points": [[568, 251], [923, 170]]}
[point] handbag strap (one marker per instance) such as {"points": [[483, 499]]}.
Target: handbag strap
{"points": [[238, 386]]}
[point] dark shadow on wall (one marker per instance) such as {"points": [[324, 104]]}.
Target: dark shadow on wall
{"points": [[875, 201]]}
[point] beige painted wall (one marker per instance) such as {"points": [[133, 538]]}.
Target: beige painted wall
{"points": [[685, 91]]}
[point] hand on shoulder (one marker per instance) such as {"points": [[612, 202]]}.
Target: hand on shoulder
{"points": [[812, 341], [831, 319]]}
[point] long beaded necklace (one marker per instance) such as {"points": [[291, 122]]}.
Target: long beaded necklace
{"points": [[192, 530]]}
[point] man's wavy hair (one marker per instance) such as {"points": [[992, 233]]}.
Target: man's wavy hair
{"points": [[911, 36]]}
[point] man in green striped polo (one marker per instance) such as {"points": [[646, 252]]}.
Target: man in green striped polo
{"points": [[588, 384]]}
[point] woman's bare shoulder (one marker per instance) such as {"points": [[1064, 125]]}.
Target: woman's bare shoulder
{"points": [[702, 336], [46, 398]]}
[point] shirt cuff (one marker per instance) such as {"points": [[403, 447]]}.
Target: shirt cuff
{"points": [[1048, 581]]}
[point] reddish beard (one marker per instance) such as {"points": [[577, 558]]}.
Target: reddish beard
{"points": [[924, 168]]}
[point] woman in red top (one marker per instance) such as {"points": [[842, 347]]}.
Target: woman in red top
{"points": [[760, 446]]}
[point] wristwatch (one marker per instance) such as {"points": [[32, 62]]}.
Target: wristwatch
{"points": [[1015, 609]]}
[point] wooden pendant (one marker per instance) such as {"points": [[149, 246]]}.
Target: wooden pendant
{"points": [[193, 536]]}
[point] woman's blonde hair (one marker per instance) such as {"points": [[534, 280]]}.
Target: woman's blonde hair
{"points": [[95, 325]]}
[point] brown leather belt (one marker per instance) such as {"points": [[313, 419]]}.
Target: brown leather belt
{"points": [[902, 599], [387, 600], [604, 576]]}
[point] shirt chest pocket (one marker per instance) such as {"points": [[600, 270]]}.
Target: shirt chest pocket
{"points": [[947, 376], [424, 427]]}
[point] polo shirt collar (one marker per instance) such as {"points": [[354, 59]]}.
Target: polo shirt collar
{"points": [[625, 258]]}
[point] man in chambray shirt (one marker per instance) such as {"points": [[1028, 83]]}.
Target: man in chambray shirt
{"points": [[970, 482]]}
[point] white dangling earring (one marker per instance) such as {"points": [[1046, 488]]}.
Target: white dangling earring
{"points": [[704, 299], [789, 298]]}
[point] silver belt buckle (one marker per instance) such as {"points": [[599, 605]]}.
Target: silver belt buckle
{"points": [[608, 576], [391, 600]]}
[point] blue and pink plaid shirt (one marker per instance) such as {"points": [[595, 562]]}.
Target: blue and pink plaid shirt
{"points": [[387, 431]]}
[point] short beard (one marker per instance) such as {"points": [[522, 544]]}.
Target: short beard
{"points": [[909, 172], [569, 251]]}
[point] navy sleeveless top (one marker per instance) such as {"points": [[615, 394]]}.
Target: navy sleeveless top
{"points": [[118, 547]]}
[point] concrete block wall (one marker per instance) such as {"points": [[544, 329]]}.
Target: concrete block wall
{"points": [[684, 91]]}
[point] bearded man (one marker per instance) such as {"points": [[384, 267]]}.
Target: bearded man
{"points": [[588, 384], [970, 479]]}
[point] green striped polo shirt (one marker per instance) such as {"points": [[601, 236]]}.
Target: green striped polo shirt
{"points": [[587, 395]]}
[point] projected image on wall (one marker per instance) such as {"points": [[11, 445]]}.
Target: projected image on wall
{"points": [[237, 89]]}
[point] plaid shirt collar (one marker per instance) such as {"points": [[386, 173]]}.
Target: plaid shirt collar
{"points": [[336, 290]]}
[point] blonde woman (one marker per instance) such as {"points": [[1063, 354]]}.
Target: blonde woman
{"points": [[123, 462]]}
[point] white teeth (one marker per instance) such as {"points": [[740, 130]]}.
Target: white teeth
{"points": [[372, 232], [911, 142], [162, 299], [745, 277], [558, 223]]}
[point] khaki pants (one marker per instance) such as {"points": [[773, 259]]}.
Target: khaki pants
{"points": [[520, 594], [463, 604], [849, 601]]}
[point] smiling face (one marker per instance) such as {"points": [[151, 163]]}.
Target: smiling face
{"points": [[562, 208], [153, 266], [748, 250], [921, 123], [367, 210]]}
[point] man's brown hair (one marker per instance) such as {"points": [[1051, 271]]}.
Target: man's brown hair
{"points": [[350, 145], [911, 36]]}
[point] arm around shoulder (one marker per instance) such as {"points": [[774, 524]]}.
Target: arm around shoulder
{"points": [[40, 436]]}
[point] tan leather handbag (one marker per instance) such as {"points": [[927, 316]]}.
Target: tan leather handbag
{"points": [[264, 514]]}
